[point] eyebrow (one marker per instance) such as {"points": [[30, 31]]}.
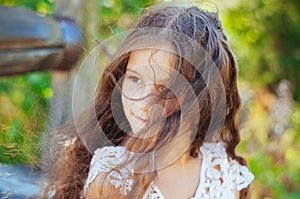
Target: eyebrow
{"points": [[133, 71], [162, 81]]}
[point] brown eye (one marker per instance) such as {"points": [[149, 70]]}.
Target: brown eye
{"points": [[135, 79]]}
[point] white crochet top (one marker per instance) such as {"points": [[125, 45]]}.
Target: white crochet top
{"points": [[220, 176]]}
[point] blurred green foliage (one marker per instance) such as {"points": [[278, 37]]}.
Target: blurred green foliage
{"points": [[275, 161], [264, 35], [44, 7], [119, 15], [24, 103]]}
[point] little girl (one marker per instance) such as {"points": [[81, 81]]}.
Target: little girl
{"points": [[165, 117]]}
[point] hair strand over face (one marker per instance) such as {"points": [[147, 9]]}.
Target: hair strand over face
{"points": [[201, 27]]}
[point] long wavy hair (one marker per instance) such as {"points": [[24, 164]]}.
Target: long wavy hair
{"points": [[201, 50]]}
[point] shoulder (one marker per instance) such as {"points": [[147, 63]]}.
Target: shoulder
{"points": [[108, 157], [218, 166], [104, 160]]}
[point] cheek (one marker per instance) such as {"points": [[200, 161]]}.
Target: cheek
{"points": [[126, 105]]}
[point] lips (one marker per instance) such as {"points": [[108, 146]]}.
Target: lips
{"points": [[141, 119]]}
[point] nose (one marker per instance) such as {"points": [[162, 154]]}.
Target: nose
{"points": [[146, 95]]}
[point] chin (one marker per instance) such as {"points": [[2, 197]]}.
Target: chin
{"points": [[135, 130]]}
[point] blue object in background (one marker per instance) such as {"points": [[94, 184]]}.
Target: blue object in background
{"points": [[18, 182]]}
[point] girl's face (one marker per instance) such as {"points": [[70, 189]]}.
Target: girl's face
{"points": [[146, 72]]}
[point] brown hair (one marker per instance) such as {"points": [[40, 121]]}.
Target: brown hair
{"points": [[191, 26]]}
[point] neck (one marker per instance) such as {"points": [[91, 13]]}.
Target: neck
{"points": [[183, 159], [177, 152]]}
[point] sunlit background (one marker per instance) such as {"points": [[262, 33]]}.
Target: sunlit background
{"points": [[265, 36]]}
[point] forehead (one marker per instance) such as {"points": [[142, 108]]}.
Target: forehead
{"points": [[150, 62]]}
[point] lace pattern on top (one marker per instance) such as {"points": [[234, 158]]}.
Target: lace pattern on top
{"points": [[220, 176], [104, 160], [153, 192]]}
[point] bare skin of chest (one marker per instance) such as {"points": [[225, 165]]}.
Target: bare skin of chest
{"points": [[179, 181]]}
